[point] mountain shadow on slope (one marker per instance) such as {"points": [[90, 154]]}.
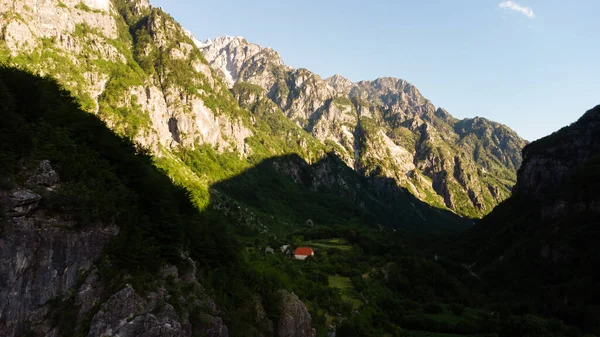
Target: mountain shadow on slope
{"points": [[328, 192], [106, 181], [113, 219], [542, 243]]}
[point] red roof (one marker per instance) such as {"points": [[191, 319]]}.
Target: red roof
{"points": [[303, 251]]}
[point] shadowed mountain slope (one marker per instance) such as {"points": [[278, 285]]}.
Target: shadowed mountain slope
{"points": [[542, 242], [327, 192]]}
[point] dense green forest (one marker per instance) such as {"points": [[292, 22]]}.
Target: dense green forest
{"points": [[364, 280]]}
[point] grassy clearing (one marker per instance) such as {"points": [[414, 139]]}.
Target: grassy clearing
{"points": [[340, 282], [356, 303], [345, 285], [336, 243], [327, 246]]}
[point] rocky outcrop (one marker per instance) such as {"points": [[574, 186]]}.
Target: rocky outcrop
{"points": [[42, 255], [31, 19], [22, 202], [192, 125], [128, 314], [294, 320], [340, 84], [49, 268]]}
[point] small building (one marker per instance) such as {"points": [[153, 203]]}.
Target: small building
{"points": [[301, 253]]}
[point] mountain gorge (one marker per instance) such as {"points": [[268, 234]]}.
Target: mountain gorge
{"points": [[152, 184], [383, 128]]}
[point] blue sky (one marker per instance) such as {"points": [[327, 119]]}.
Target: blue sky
{"points": [[533, 65]]}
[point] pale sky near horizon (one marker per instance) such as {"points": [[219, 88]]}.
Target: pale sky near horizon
{"points": [[533, 65]]}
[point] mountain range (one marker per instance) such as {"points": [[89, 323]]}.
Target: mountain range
{"points": [[383, 127], [176, 90]]}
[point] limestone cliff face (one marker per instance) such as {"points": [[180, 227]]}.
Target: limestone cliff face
{"points": [[41, 253], [86, 44], [384, 128]]}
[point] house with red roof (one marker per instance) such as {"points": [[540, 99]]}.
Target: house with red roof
{"points": [[301, 253]]}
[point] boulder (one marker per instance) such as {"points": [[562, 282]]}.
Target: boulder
{"points": [[23, 202], [294, 320]]}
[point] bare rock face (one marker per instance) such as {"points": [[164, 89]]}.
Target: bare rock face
{"points": [[45, 175], [228, 54], [126, 314], [47, 19], [263, 323], [81, 37], [41, 258], [295, 321], [210, 326], [23, 202]]}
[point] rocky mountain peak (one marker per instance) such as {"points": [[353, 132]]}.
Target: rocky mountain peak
{"points": [[389, 90], [231, 55], [339, 83], [222, 41], [397, 84]]}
